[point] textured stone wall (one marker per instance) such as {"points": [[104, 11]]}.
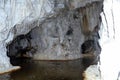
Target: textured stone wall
{"points": [[57, 28], [66, 34]]}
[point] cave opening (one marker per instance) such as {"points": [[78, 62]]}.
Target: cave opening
{"points": [[20, 49]]}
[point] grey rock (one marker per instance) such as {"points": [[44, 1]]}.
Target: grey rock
{"points": [[58, 27], [60, 36]]}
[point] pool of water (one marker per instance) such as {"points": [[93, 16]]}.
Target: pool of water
{"points": [[49, 70]]}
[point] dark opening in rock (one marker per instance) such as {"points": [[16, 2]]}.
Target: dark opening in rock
{"points": [[70, 31], [75, 16], [90, 46], [20, 48]]}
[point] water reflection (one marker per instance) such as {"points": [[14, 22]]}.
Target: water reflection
{"points": [[50, 70], [5, 77]]}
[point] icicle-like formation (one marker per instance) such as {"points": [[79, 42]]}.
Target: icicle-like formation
{"points": [[110, 65], [108, 29]]}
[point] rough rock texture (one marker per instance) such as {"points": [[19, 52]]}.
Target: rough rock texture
{"points": [[57, 28], [92, 73], [60, 36]]}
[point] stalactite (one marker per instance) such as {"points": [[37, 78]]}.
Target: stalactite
{"points": [[113, 20], [106, 23]]}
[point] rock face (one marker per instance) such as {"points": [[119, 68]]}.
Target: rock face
{"points": [[90, 46], [60, 36], [92, 73], [56, 28]]}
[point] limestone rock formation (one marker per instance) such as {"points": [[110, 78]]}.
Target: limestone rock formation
{"points": [[60, 36], [92, 73], [57, 28]]}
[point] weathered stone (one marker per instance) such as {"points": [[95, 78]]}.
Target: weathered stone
{"points": [[58, 27], [19, 46], [60, 37], [92, 73]]}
